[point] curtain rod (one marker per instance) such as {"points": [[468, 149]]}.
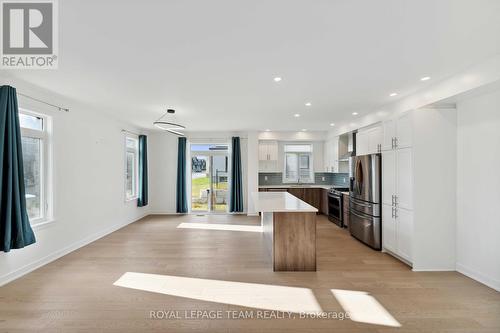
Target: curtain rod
{"points": [[40, 101]]}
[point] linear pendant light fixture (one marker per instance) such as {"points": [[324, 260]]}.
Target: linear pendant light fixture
{"points": [[168, 124]]}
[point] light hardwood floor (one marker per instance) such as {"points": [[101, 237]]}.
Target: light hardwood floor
{"points": [[77, 293]]}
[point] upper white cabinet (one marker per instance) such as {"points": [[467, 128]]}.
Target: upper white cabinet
{"points": [[403, 195], [369, 140], [397, 132], [331, 155], [268, 151], [268, 156]]}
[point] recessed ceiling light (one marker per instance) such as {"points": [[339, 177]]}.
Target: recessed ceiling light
{"points": [[308, 104], [304, 129], [332, 124], [267, 129], [354, 113], [393, 94], [296, 115], [277, 79], [425, 78]]}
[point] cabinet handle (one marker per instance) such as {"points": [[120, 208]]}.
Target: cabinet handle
{"points": [[395, 200], [396, 142], [395, 213], [392, 200], [392, 212], [392, 143]]}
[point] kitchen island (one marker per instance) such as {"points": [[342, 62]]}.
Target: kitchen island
{"points": [[289, 228]]}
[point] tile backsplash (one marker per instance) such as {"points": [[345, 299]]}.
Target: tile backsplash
{"points": [[320, 178]]}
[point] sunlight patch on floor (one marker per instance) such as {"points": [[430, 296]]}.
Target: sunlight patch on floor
{"points": [[364, 308], [254, 295], [224, 227]]}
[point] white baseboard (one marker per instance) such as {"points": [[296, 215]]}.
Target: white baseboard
{"points": [[62, 252], [433, 269], [480, 277]]}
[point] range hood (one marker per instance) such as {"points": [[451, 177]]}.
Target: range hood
{"points": [[347, 146]]}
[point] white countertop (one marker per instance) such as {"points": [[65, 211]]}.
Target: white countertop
{"points": [[270, 202]]}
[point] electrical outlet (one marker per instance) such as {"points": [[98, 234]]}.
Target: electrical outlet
{"points": [[323, 179], [265, 178], [344, 180]]}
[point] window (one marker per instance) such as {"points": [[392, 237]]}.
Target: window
{"points": [[34, 139], [298, 166], [131, 166]]}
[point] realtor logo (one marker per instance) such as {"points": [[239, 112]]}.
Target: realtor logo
{"points": [[29, 34]]}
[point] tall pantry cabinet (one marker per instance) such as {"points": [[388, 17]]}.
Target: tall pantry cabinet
{"points": [[418, 179]]}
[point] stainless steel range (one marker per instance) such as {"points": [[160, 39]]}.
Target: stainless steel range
{"points": [[336, 205]]}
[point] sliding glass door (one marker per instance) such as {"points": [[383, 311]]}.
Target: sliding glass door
{"points": [[209, 178]]}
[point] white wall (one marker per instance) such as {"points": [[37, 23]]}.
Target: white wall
{"points": [[252, 170], [163, 169], [478, 188], [163, 172], [88, 182], [470, 78], [434, 169]]}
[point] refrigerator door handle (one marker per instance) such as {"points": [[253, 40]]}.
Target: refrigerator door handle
{"points": [[360, 216], [356, 202]]}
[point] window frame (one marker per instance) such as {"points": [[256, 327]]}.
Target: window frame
{"points": [[298, 155], [44, 136], [135, 177]]}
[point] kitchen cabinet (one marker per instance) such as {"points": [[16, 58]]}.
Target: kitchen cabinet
{"points": [[397, 132], [297, 191], [397, 231], [397, 186], [369, 140], [397, 201], [389, 228], [418, 199], [268, 156], [268, 150], [346, 206], [404, 225], [324, 201], [404, 183], [397, 177], [313, 197], [331, 155]]}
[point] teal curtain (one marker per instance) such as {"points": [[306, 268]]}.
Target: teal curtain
{"points": [[15, 229], [142, 199], [236, 200], [182, 205]]}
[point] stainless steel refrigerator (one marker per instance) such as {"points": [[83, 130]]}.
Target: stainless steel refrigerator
{"points": [[365, 199]]}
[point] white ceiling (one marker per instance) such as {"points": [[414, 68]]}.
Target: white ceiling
{"points": [[214, 61]]}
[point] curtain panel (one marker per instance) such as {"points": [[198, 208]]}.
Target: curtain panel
{"points": [[236, 193], [142, 199], [15, 229], [182, 205]]}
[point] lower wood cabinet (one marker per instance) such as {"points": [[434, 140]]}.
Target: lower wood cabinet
{"points": [[345, 202], [296, 191], [316, 197], [324, 201]]}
